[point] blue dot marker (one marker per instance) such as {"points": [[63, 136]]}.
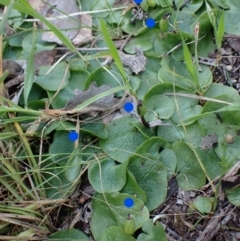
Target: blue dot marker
{"points": [[73, 136], [128, 202], [150, 22], [128, 106], [137, 1]]}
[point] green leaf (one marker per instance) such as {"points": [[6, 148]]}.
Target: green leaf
{"points": [[7, 135], [39, 45], [105, 176], [123, 139], [152, 232], [57, 79], [95, 129], [141, 41], [233, 196], [115, 233], [151, 175], [68, 235], [203, 204], [109, 210], [185, 107], [67, 93], [132, 188], [29, 74], [193, 69], [55, 183], [73, 166], [191, 175], [113, 50], [220, 30], [61, 147], [232, 19], [158, 107]]}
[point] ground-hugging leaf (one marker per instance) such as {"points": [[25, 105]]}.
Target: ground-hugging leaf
{"points": [[151, 176], [77, 81], [191, 175], [109, 210], [95, 129], [176, 72], [68, 235], [227, 151], [185, 107], [217, 89], [123, 139], [158, 106], [61, 147], [169, 160], [132, 188], [55, 183], [148, 77], [105, 176], [192, 133], [233, 195], [102, 77], [39, 46], [115, 233], [152, 232], [203, 204], [232, 19], [152, 146], [140, 41], [73, 165], [57, 79]]}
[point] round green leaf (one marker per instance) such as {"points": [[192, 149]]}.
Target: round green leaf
{"points": [[68, 234], [192, 133], [169, 159], [203, 204], [153, 146], [152, 232], [106, 176], [103, 77], [158, 107], [95, 129], [232, 19], [77, 81], [73, 166], [233, 196], [115, 233], [191, 175], [123, 139], [57, 79], [131, 187], [109, 210], [61, 147], [185, 107], [140, 41], [151, 176], [39, 45]]}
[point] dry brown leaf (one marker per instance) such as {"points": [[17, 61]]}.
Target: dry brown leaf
{"points": [[85, 33], [136, 62], [69, 26], [44, 58], [37, 4]]}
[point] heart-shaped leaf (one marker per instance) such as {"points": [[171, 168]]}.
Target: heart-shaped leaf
{"points": [[109, 210], [151, 175], [105, 176], [57, 79], [152, 232]]}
